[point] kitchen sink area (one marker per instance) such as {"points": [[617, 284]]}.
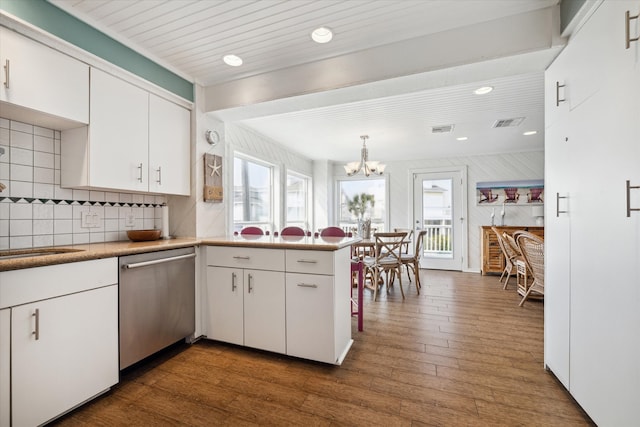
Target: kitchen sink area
{"points": [[35, 252]]}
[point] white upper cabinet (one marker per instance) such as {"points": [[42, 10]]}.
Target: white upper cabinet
{"points": [[36, 78], [136, 141], [169, 147]]}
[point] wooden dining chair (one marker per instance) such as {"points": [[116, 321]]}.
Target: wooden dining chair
{"points": [[407, 240], [412, 260], [386, 258], [510, 257], [532, 248]]}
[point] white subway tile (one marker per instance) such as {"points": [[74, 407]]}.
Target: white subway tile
{"points": [[20, 211], [43, 160], [42, 226], [56, 161], [4, 123], [40, 131], [110, 225], [42, 191], [42, 144], [5, 137], [41, 211], [126, 198], [21, 227], [21, 189], [77, 211], [62, 226], [4, 228], [111, 212], [137, 198], [111, 197], [62, 239], [56, 177], [21, 173], [4, 242], [81, 238], [4, 210], [63, 212], [56, 146], [21, 156], [43, 240], [4, 171], [62, 193], [112, 236], [148, 224], [20, 242], [96, 196], [80, 194], [21, 140], [22, 127], [43, 176]]}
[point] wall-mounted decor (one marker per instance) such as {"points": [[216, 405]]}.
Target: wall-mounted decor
{"points": [[212, 178], [522, 192]]}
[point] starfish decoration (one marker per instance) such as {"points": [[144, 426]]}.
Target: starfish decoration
{"points": [[215, 167]]}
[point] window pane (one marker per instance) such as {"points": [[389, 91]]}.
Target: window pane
{"points": [[297, 197], [362, 199], [251, 192]]}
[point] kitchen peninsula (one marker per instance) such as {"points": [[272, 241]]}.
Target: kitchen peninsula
{"points": [[286, 294]]}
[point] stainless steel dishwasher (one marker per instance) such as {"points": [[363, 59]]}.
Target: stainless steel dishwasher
{"points": [[157, 302]]}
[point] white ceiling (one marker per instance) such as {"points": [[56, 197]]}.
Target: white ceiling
{"points": [[190, 38]]}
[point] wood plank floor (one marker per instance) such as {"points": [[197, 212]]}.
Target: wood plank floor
{"points": [[460, 353]]}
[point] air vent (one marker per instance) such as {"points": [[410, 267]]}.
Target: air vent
{"points": [[507, 123], [442, 129]]}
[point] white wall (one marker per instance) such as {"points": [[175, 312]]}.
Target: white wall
{"points": [[491, 167]]}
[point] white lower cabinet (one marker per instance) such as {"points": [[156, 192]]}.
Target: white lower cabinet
{"points": [[63, 348], [5, 367], [294, 302], [247, 307]]}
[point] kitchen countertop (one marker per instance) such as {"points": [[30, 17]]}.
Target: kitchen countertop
{"points": [[114, 249], [88, 252], [282, 242]]}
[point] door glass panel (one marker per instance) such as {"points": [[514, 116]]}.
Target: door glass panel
{"points": [[437, 216]]}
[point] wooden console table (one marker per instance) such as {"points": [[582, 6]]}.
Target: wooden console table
{"points": [[491, 257]]}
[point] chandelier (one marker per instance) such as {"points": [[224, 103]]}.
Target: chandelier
{"points": [[364, 165]]}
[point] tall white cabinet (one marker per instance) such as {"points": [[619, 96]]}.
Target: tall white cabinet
{"points": [[592, 241]]}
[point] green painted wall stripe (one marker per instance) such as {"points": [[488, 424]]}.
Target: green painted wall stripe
{"points": [[59, 23]]}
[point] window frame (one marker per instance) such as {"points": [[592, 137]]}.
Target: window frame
{"points": [[308, 199], [341, 179], [267, 225]]}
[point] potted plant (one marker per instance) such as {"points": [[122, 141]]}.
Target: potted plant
{"points": [[358, 207]]}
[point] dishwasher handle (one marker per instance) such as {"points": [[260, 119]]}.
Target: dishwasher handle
{"points": [[157, 261]]}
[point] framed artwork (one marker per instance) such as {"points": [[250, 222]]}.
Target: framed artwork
{"points": [[212, 178], [522, 192]]}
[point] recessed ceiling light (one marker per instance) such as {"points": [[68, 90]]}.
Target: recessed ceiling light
{"points": [[233, 60], [322, 35], [530, 132], [462, 138], [483, 90]]}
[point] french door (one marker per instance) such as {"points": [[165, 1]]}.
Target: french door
{"points": [[438, 206]]}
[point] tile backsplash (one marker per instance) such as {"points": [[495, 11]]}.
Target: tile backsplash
{"points": [[35, 211]]}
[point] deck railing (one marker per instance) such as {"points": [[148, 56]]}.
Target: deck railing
{"points": [[438, 239]]}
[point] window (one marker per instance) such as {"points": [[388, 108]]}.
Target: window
{"points": [[252, 194], [362, 199], [297, 200]]}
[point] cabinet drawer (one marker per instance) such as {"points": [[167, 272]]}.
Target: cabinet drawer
{"points": [[314, 262], [38, 283], [238, 257]]}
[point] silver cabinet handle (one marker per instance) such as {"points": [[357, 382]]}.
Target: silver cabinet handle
{"points": [[249, 283], [159, 180], [36, 332], [307, 285], [140, 172], [308, 261], [241, 257], [627, 29], [558, 211], [629, 188], [558, 100], [6, 73], [234, 277], [157, 261]]}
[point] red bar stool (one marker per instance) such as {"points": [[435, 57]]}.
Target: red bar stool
{"points": [[357, 306]]}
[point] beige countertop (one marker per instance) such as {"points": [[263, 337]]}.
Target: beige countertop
{"points": [[20, 258], [282, 242], [75, 253]]}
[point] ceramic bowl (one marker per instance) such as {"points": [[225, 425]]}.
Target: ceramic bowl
{"points": [[143, 235]]}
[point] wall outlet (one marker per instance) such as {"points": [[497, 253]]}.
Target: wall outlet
{"points": [[90, 219], [129, 219]]}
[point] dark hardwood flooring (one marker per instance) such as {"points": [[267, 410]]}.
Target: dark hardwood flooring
{"points": [[460, 353]]}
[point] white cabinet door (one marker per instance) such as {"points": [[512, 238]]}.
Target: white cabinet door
{"points": [[42, 79], [5, 366], [73, 357], [118, 134], [225, 298], [169, 147], [310, 317], [264, 310]]}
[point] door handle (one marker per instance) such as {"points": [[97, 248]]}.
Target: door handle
{"points": [[249, 283], [558, 211], [7, 67], [234, 277], [36, 332]]}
